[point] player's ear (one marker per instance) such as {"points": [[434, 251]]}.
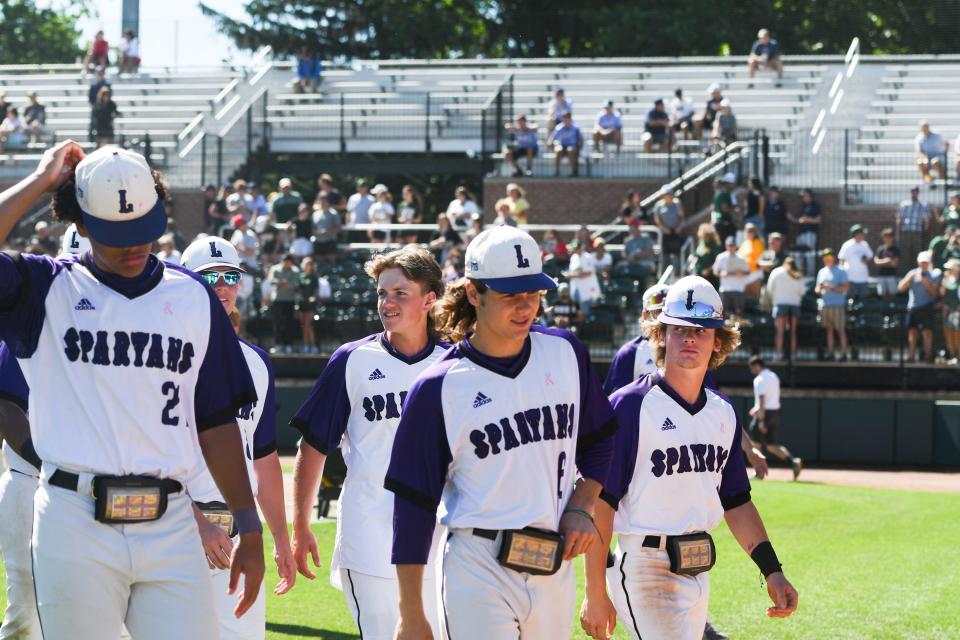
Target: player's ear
{"points": [[82, 230], [473, 297], [429, 300]]}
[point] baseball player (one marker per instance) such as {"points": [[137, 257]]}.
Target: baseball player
{"points": [[671, 480], [496, 431], [635, 358], [218, 263], [356, 405], [765, 414], [120, 341]]}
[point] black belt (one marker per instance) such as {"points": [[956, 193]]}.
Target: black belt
{"points": [[70, 481], [489, 534], [653, 542]]}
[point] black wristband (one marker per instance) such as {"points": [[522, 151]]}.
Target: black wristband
{"points": [[766, 558], [28, 453]]}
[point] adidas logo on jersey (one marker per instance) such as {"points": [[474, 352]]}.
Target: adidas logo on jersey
{"points": [[481, 400], [667, 425], [377, 375], [85, 305]]}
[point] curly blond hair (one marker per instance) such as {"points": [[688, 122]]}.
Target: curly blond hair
{"points": [[729, 338]]}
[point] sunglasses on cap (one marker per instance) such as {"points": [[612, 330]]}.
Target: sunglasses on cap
{"points": [[657, 299], [230, 278], [699, 310]]}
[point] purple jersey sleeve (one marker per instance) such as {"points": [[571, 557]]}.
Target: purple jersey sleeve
{"points": [[710, 380], [621, 367], [734, 485], [13, 387], [25, 280], [597, 422], [419, 463], [265, 435], [626, 403], [324, 415]]}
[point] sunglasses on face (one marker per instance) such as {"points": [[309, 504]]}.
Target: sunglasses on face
{"points": [[230, 278]]}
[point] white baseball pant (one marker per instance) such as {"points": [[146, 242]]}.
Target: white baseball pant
{"points": [[250, 626], [16, 513], [483, 599], [374, 603], [92, 577], [651, 601]]}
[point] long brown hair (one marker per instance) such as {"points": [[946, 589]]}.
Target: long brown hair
{"points": [[729, 338], [453, 315]]}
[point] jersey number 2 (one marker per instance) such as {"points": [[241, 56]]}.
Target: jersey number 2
{"points": [[172, 390]]}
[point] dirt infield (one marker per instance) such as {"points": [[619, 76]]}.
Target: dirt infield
{"points": [[938, 482]]}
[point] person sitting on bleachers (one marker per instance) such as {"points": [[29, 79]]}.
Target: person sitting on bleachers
{"points": [[714, 98], [776, 217], [309, 69], [358, 205], [524, 143], [409, 211], [765, 53], [168, 249], [129, 61], [724, 126], [773, 256], [35, 118], [566, 141], [11, 131], [98, 53], [246, 242], [557, 109], [681, 115], [608, 127], [461, 209], [931, 151], [706, 252], [855, 256], [504, 215], [565, 312], [632, 212], [657, 129]]}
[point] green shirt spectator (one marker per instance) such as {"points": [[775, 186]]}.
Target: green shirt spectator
{"points": [[285, 279], [284, 204]]}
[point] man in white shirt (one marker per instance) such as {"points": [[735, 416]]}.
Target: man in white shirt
{"points": [[247, 243], [855, 256], [359, 204], [931, 151], [681, 114], [584, 284], [765, 414], [733, 271]]}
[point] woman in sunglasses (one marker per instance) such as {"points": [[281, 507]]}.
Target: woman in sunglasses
{"points": [[218, 264]]}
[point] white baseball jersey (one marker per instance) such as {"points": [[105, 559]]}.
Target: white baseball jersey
{"points": [[356, 405], [124, 371], [257, 422], [677, 466], [633, 360], [767, 384], [497, 441]]}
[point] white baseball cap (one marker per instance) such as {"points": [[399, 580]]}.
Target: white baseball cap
{"points": [[692, 302], [653, 298], [212, 251], [713, 87], [73, 242], [118, 198], [507, 260], [729, 177]]}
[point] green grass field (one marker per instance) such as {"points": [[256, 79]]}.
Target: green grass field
{"points": [[868, 563]]}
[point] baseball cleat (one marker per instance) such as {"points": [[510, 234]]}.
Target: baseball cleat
{"points": [[797, 467]]}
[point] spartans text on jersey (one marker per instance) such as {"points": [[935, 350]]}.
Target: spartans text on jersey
{"points": [[147, 349], [532, 425]]}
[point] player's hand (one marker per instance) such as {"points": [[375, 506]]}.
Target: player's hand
{"points": [[304, 543], [286, 568], [415, 629], [248, 561], [598, 618], [579, 534], [217, 545], [782, 594], [759, 463], [753, 411], [57, 164]]}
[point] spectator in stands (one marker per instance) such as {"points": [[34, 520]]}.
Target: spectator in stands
{"points": [[476, 226], [308, 292], [603, 260], [168, 250], [11, 131], [714, 98], [98, 53], [285, 203], [240, 201], [631, 211], [669, 216], [453, 268], [272, 239], [809, 228], [129, 53], [765, 54], [773, 256], [553, 248], [776, 217], [41, 238], [951, 309], [309, 68], [214, 210], [461, 209], [923, 285], [723, 208], [566, 141], [179, 240], [444, 238], [887, 261], [681, 115], [99, 82], [706, 252], [639, 250], [4, 104], [409, 211], [657, 130], [733, 271], [35, 118], [326, 226], [952, 213], [956, 150], [582, 274], [756, 201], [786, 289], [855, 256], [931, 149], [284, 279], [504, 215], [558, 108], [324, 184], [831, 286], [913, 219], [516, 199], [950, 247], [565, 311], [104, 114], [302, 243], [358, 205], [259, 206], [583, 237], [724, 127], [608, 128], [381, 213], [245, 240], [750, 250], [524, 144]]}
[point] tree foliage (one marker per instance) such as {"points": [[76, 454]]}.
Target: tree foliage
{"points": [[345, 29], [31, 35]]}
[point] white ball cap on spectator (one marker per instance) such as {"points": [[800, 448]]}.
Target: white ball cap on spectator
{"points": [[924, 256], [713, 87], [692, 302], [118, 198], [209, 252], [654, 297], [73, 242], [507, 260]]}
